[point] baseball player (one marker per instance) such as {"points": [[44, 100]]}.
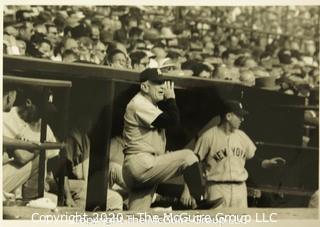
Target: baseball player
{"points": [[224, 150], [146, 162]]}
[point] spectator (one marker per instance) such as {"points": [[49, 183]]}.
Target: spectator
{"points": [[228, 58], [160, 55], [247, 77], [198, 69], [222, 72], [40, 46], [85, 48], [139, 60], [52, 34], [127, 22], [70, 44], [117, 59], [99, 53], [176, 58], [69, 56], [95, 33]]}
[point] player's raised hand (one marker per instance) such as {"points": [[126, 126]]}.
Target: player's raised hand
{"points": [[169, 90]]}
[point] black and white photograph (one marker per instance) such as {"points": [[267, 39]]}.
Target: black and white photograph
{"points": [[142, 114]]}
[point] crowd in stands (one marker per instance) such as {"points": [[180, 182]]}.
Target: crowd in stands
{"points": [[182, 41]]}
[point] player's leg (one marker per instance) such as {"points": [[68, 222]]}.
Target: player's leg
{"points": [[145, 169], [215, 191], [239, 196], [169, 165], [114, 200], [15, 175], [141, 199]]}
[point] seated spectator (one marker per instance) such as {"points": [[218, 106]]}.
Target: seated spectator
{"points": [[99, 53], [11, 45], [135, 33], [138, 44], [127, 22], [39, 27], [139, 60], [160, 55], [176, 58], [245, 62], [22, 47], [95, 33], [70, 44], [228, 58], [85, 48], [69, 56], [247, 77], [40, 46], [52, 34], [117, 59], [222, 72], [198, 69]]}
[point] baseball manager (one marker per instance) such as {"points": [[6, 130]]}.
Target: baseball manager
{"points": [[146, 162]]}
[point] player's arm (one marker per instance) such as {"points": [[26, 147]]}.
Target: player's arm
{"points": [[170, 114], [6, 159], [24, 156], [203, 145]]}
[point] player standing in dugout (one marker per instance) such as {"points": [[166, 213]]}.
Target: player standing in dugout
{"points": [[146, 162]]}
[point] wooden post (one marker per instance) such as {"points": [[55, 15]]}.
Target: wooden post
{"points": [[43, 136], [63, 154], [99, 155]]}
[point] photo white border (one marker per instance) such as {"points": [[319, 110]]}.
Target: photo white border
{"points": [[280, 223]]}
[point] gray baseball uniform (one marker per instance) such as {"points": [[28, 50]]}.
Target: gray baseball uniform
{"points": [[224, 157], [146, 164]]}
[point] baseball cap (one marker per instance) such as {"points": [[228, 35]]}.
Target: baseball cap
{"points": [[235, 107], [152, 74]]}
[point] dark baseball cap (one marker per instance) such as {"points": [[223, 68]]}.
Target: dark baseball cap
{"points": [[152, 74], [235, 107]]}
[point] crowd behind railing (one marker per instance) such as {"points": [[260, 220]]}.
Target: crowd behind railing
{"points": [[183, 41]]}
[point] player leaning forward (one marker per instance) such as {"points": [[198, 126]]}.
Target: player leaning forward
{"points": [[224, 150], [146, 161]]}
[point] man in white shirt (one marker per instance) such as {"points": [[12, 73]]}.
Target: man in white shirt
{"points": [[23, 122]]}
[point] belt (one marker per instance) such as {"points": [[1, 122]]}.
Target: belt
{"points": [[227, 182], [154, 154]]}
